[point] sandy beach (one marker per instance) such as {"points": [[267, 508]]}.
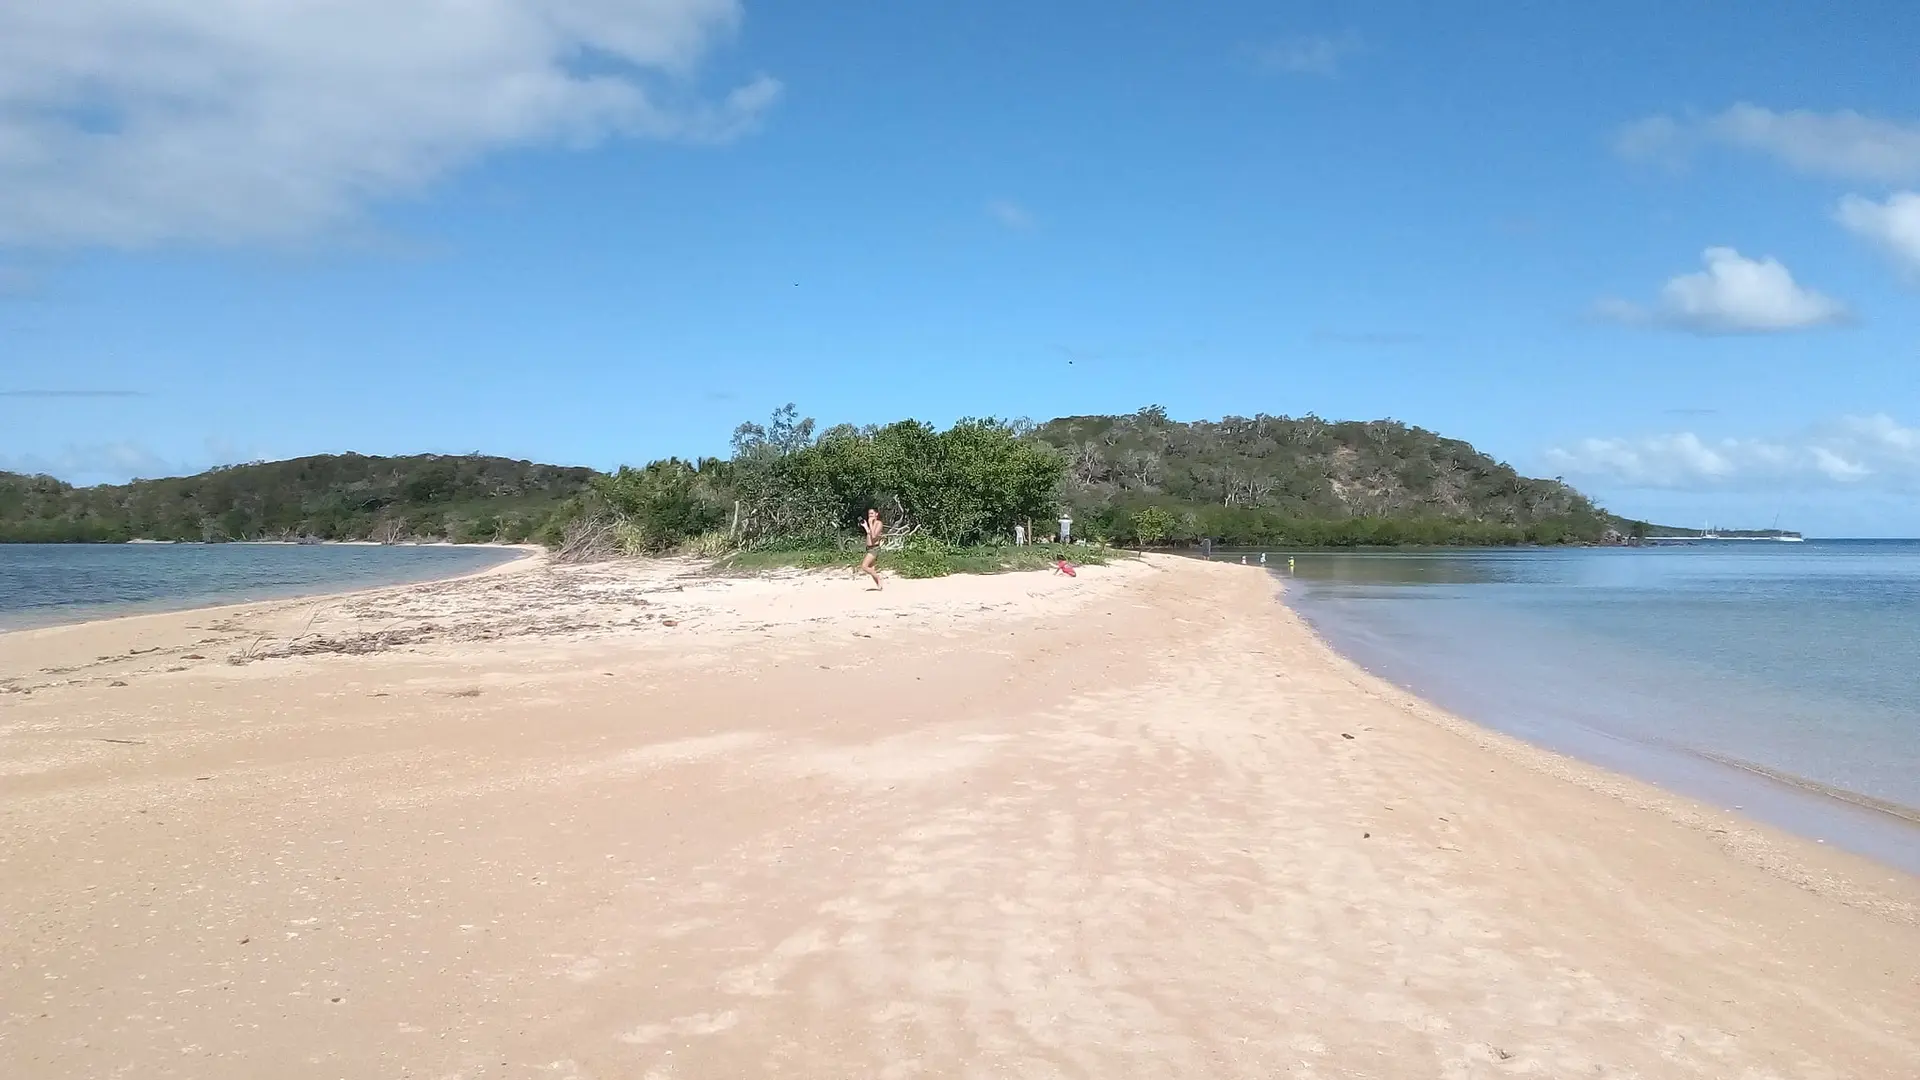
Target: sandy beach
{"points": [[637, 821]]}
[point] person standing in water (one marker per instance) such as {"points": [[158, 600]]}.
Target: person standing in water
{"points": [[875, 532]]}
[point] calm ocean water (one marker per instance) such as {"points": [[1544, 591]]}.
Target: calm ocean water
{"points": [[42, 584], [1782, 679]]}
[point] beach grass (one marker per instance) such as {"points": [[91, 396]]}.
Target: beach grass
{"points": [[925, 561]]}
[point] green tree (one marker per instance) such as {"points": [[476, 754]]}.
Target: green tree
{"points": [[1153, 525], [663, 503], [964, 485]]}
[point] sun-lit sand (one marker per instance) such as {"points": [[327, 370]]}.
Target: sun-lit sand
{"points": [[634, 821]]}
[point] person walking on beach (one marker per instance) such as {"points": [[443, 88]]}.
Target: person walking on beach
{"points": [[875, 532]]}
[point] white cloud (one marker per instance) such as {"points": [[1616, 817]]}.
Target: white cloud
{"points": [[1893, 225], [1010, 213], [1854, 452], [1843, 144], [1656, 138], [1733, 295], [1315, 54], [136, 122]]}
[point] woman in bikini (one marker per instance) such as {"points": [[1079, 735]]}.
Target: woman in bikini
{"points": [[875, 533]]}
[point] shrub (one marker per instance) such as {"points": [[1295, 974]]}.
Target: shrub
{"points": [[1153, 525], [658, 506], [926, 557], [708, 545]]}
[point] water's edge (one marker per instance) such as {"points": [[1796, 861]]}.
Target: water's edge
{"points": [[1886, 832], [14, 622]]}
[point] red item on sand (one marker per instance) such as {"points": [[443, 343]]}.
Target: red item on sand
{"points": [[1066, 568]]}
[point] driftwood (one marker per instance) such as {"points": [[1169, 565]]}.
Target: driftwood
{"points": [[588, 540]]}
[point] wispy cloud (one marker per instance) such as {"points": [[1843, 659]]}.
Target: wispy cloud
{"points": [[1311, 54], [1843, 144], [94, 463], [1893, 225], [1855, 452], [1732, 295], [1010, 213], [128, 123], [72, 393], [1659, 139]]}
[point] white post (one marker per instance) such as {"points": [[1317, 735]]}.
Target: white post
{"points": [[1066, 530]]}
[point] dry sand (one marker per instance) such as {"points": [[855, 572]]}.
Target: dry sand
{"points": [[633, 822]]}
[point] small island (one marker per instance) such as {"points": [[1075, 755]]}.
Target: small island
{"points": [[1641, 532]]}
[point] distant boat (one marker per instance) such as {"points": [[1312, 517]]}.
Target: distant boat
{"points": [[1791, 539]]}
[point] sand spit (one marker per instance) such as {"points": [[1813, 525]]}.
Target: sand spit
{"points": [[638, 821]]}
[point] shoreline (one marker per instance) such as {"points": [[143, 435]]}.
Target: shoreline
{"points": [[529, 555], [631, 818], [1883, 831], [1806, 862], [1882, 807]]}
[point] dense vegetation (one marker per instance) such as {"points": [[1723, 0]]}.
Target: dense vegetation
{"points": [[1641, 530], [1135, 479], [329, 497], [1308, 481], [786, 488], [922, 559]]}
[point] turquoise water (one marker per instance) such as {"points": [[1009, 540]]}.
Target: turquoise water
{"points": [[42, 584], [1781, 679]]}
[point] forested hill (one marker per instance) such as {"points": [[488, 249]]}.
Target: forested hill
{"points": [[329, 497], [1138, 478], [1304, 480]]}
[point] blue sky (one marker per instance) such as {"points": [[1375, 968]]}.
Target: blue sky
{"points": [[1671, 252]]}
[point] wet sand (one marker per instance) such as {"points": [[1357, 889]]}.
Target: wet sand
{"points": [[634, 821]]}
